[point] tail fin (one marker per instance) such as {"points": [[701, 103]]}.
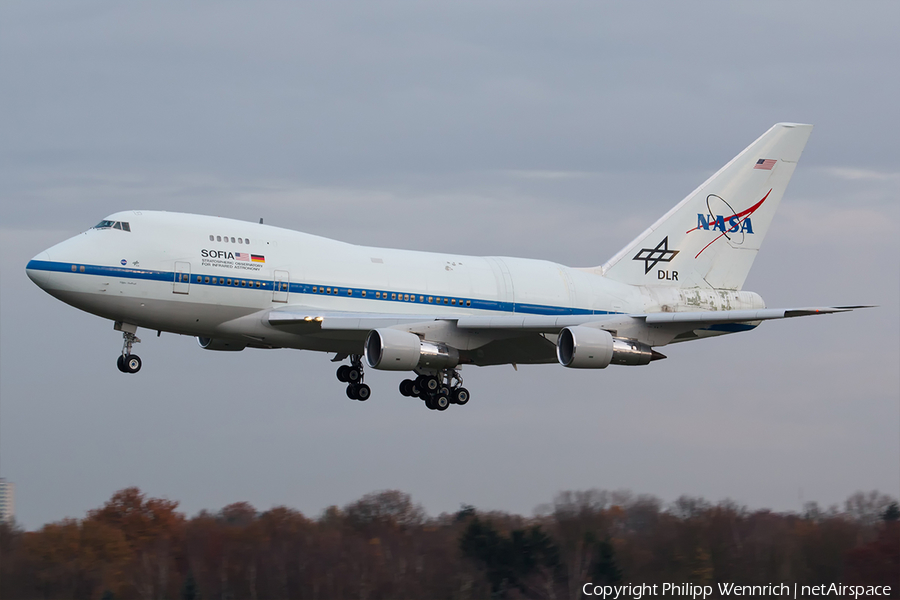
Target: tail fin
{"points": [[711, 237]]}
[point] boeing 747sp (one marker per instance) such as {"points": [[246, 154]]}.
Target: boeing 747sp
{"points": [[234, 285]]}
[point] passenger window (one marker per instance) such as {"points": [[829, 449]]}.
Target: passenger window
{"points": [[74, 268], [406, 297], [81, 268], [378, 295], [212, 238], [445, 301], [240, 240], [218, 238], [364, 293], [349, 292], [421, 298], [453, 301], [207, 279], [393, 296], [199, 279], [257, 284], [246, 240], [315, 290], [468, 303], [430, 298], [228, 282], [232, 240]]}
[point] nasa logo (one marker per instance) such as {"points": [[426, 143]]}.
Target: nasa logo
{"points": [[728, 226], [717, 223], [217, 254], [124, 262]]}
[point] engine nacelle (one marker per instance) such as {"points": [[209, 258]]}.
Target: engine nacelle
{"points": [[590, 348], [395, 350], [219, 344]]}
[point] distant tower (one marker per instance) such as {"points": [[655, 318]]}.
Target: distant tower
{"points": [[7, 500]]}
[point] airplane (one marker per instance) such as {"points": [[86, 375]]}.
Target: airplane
{"points": [[235, 284]]}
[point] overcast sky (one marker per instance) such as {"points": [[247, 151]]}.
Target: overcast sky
{"points": [[545, 130]]}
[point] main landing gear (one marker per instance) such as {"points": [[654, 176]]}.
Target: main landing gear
{"points": [[438, 390], [128, 362], [353, 376]]}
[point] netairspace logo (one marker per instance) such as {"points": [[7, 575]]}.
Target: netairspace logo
{"points": [[694, 591]]}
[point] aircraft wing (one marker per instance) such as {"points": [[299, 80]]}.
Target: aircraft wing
{"points": [[353, 321]]}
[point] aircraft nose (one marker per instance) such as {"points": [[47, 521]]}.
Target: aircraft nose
{"points": [[37, 271]]}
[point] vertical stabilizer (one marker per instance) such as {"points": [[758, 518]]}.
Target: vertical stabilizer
{"points": [[711, 237]]}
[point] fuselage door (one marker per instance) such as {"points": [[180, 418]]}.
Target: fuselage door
{"points": [[280, 287], [182, 278]]}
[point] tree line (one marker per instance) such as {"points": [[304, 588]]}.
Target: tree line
{"points": [[386, 546]]}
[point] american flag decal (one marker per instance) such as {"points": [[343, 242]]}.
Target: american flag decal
{"points": [[765, 164], [242, 256]]}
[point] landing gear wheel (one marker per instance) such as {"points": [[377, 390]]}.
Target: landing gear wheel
{"points": [[406, 387], [363, 392], [432, 384], [441, 402], [132, 363], [342, 373], [444, 391], [460, 396], [353, 374], [128, 362], [429, 402], [352, 391]]}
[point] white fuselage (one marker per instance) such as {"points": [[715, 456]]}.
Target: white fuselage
{"points": [[175, 272]]}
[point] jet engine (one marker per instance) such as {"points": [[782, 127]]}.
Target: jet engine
{"points": [[220, 344], [395, 350], [590, 348]]}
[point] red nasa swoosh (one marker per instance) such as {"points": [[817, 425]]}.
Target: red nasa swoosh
{"points": [[743, 215]]}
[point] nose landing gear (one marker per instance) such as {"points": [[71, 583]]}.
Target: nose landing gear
{"points": [[353, 376], [128, 362]]}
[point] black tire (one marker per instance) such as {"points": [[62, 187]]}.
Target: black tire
{"points": [[342, 373], [444, 391], [353, 374], [120, 364], [406, 387], [132, 363], [432, 384], [429, 402], [441, 402], [415, 391], [460, 396], [351, 392], [363, 392]]}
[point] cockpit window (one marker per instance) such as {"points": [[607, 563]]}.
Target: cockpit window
{"points": [[113, 225]]}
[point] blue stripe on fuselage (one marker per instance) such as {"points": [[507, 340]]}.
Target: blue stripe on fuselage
{"points": [[307, 288]]}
